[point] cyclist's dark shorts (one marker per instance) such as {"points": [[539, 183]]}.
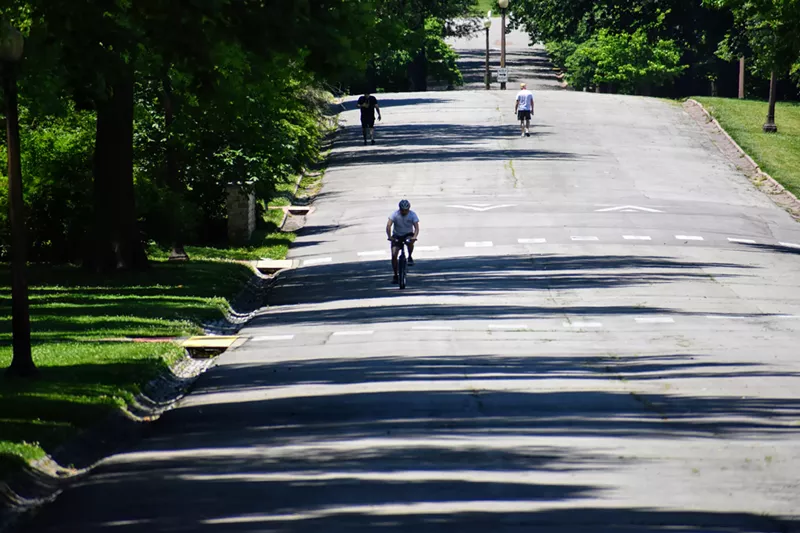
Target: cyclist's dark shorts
{"points": [[368, 122], [403, 237], [523, 115]]}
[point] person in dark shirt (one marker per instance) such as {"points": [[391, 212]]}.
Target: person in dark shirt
{"points": [[368, 105]]}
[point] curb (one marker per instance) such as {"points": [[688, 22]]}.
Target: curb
{"points": [[756, 168], [42, 481]]}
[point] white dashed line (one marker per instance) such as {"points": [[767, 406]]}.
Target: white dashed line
{"points": [[689, 237], [432, 328], [508, 326], [584, 238], [426, 248], [654, 320], [352, 333], [373, 253], [741, 241], [478, 244], [636, 237], [531, 241], [789, 244], [263, 338], [317, 261], [583, 325]]}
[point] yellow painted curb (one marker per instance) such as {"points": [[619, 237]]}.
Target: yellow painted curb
{"points": [[211, 341]]}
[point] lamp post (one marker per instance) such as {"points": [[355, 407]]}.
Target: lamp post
{"points": [[487, 24], [11, 44], [503, 6]]}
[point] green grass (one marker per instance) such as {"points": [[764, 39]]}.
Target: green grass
{"points": [[83, 324], [486, 5], [777, 154], [78, 323]]}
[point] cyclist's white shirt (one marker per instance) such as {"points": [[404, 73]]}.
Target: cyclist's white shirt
{"points": [[403, 225]]}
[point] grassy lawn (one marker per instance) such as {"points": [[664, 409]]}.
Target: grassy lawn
{"points": [[777, 154], [80, 324]]}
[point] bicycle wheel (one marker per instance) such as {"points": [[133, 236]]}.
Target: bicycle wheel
{"points": [[402, 265]]}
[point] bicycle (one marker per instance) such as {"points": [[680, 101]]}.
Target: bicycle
{"points": [[402, 262]]}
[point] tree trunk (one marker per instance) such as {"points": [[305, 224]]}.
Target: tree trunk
{"points": [[418, 72], [117, 244], [178, 252], [22, 364]]}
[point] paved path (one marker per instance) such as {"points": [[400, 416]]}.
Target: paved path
{"points": [[601, 334], [525, 63]]}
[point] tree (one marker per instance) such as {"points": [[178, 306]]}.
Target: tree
{"points": [[769, 28]]}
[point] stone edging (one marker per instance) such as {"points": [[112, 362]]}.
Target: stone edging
{"points": [[763, 181]]}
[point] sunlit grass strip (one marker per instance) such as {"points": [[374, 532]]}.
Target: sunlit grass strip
{"points": [[777, 154], [84, 372]]}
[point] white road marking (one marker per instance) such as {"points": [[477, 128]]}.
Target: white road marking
{"points": [[352, 333], [508, 326], [373, 252], [789, 244], [426, 248], [628, 209], [531, 241], [655, 320], [636, 237], [432, 328], [689, 237], [741, 241], [786, 316], [478, 244], [317, 261], [481, 207], [262, 338], [583, 325], [726, 317], [584, 238]]}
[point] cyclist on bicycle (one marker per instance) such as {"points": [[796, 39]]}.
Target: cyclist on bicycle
{"points": [[403, 224]]}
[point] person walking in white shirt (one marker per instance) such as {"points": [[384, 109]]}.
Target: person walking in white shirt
{"points": [[523, 107]]}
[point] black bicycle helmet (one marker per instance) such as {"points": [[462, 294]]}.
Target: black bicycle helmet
{"points": [[405, 204]]}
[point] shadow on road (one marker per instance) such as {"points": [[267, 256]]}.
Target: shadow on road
{"points": [[476, 275], [347, 445], [417, 143]]}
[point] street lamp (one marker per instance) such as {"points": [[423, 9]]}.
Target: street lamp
{"points": [[487, 24], [503, 4], [770, 126], [11, 44]]}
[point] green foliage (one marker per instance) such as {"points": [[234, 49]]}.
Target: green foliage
{"points": [[627, 62], [688, 28], [560, 51], [57, 169], [766, 31], [441, 56]]}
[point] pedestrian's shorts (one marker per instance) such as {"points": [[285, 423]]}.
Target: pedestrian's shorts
{"points": [[523, 115], [368, 122]]}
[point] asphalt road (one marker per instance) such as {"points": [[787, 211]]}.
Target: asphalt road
{"points": [[600, 334]]}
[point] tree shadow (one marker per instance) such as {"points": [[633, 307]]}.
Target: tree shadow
{"points": [[435, 135], [469, 276], [342, 444], [774, 248]]}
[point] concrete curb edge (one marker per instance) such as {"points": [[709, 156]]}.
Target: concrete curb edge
{"points": [[756, 168]]}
